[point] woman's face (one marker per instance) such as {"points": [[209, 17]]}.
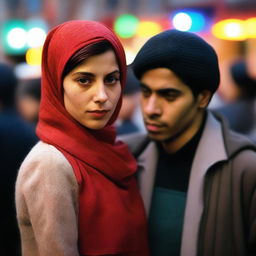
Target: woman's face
{"points": [[92, 90]]}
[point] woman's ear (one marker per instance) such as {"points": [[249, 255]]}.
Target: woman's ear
{"points": [[204, 98]]}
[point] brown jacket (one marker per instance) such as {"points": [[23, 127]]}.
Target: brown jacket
{"points": [[220, 214]]}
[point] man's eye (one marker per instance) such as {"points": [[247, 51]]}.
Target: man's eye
{"points": [[145, 92], [170, 97]]}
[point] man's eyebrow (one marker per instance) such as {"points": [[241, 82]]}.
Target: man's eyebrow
{"points": [[168, 91], [162, 91]]}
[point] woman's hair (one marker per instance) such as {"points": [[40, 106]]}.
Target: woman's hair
{"points": [[85, 53]]}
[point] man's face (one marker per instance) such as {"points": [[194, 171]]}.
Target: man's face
{"points": [[169, 107]]}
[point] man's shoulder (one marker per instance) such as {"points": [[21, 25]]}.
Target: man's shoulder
{"points": [[136, 142], [132, 137]]}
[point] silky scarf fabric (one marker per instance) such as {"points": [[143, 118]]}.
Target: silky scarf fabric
{"points": [[109, 196]]}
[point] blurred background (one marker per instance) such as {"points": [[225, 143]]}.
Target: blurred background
{"points": [[228, 25]]}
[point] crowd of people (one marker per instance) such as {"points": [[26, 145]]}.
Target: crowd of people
{"points": [[81, 177]]}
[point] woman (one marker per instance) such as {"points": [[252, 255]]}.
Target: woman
{"points": [[76, 193]]}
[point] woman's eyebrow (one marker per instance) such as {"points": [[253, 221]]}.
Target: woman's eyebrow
{"points": [[92, 74], [83, 73], [114, 72]]}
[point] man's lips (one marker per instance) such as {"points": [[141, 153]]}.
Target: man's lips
{"points": [[153, 127]]}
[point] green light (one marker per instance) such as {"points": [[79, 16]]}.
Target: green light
{"points": [[14, 37], [126, 25]]}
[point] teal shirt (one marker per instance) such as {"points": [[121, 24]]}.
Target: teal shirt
{"points": [[169, 198], [166, 221]]}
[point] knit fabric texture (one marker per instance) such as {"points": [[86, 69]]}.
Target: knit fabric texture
{"points": [[190, 57]]}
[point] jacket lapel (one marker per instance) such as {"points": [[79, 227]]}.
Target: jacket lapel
{"points": [[147, 168], [211, 149]]}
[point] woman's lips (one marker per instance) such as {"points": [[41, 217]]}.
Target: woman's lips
{"points": [[98, 113]]}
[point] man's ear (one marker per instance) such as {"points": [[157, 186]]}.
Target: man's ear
{"points": [[204, 98]]}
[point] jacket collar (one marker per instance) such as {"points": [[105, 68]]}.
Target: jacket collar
{"points": [[211, 149]]}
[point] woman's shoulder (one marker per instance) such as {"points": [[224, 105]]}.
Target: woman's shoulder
{"points": [[46, 154], [44, 160]]}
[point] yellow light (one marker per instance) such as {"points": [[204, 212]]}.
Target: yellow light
{"points": [[230, 29], [34, 56], [250, 26], [148, 29]]}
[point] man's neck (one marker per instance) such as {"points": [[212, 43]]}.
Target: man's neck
{"points": [[180, 140]]}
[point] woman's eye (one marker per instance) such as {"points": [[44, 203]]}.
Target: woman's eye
{"points": [[83, 81], [111, 80]]}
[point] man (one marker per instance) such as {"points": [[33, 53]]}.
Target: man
{"points": [[241, 112], [16, 139], [197, 178]]}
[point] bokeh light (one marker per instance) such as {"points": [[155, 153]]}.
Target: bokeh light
{"points": [[182, 21], [126, 25], [230, 29], [36, 37], [148, 28], [250, 26], [34, 56], [17, 38]]}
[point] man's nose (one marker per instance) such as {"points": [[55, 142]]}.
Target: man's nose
{"points": [[151, 106]]}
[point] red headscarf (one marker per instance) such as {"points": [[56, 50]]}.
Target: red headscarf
{"points": [[104, 169], [95, 147]]}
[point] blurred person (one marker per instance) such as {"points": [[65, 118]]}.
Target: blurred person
{"points": [[197, 177], [76, 192], [28, 99], [16, 139], [241, 112], [126, 122]]}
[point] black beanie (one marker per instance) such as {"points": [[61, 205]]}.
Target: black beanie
{"points": [[192, 59]]}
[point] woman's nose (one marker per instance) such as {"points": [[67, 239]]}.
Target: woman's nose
{"points": [[100, 95]]}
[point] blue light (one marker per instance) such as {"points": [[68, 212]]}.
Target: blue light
{"points": [[187, 20], [198, 21]]}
